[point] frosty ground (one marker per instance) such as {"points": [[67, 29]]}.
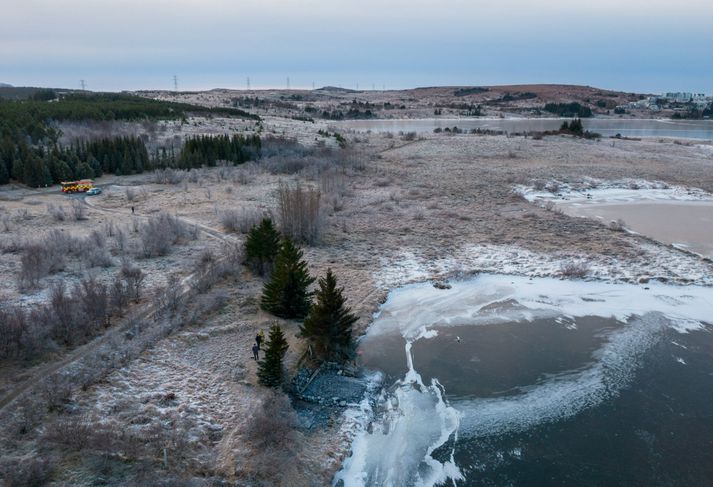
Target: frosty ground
{"points": [[403, 210]]}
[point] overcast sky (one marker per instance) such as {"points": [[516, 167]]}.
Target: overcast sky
{"points": [[633, 45]]}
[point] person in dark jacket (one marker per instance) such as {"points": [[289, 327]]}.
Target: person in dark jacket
{"points": [[256, 351], [258, 340]]}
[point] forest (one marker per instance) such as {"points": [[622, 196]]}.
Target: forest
{"points": [[31, 154]]}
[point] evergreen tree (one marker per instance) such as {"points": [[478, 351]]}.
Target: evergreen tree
{"points": [[261, 247], [286, 294], [329, 324], [270, 371]]}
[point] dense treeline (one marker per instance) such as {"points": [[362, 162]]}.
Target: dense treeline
{"points": [[207, 150], [40, 167], [30, 153], [573, 109]]}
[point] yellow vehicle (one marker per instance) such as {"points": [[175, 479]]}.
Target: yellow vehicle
{"points": [[81, 186]]}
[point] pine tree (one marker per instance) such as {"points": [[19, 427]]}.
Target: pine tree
{"points": [[270, 371], [261, 247], [329, 324], [286, 294]]}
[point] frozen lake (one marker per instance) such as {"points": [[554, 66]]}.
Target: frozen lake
{"points": [[505, 380], [670, 216], [687, 129]]}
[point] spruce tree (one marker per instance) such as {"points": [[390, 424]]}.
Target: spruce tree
{"points": [[328, 326], [261, 247], [270, 371], [286, 295]]}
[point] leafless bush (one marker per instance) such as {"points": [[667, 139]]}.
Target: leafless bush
{"points": [[22, 214], [333, 182], [553, 187], [617, 225], [241, 220], [575, 269], [56, 212], [168, 176], [273, 422], [131, 194], [92, 297], [70, 432], [134, 278], [539, 185], [300, 213], [121, 239], [39, 259], [56, 392], [26, 472], [79, 210], [384, 181], [271, 432], [163, 231], [409, 136], [119, 295], [5, 223]]}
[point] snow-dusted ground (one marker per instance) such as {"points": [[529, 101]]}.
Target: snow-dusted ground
{"points": [[654, 262], [674, 215]]}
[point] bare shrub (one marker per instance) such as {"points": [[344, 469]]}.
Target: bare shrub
{"points": [[5, 221], [617, 225], [22, 214], [119, 295], [33, 266], [69, 432], [79, 210], [26, 472], [93, 299], [241, 220], [131, 194], [300, 213], [44, 256], [167, 176], [56, 392], [134, 277], [575, 269], [333, 182], [163, 231], [56, 212], [409, 136], [384, 181], [271, 432]]}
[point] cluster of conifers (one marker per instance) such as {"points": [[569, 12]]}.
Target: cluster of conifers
{"points": [[326, 322]]}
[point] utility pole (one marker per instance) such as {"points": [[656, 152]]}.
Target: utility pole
{"points": [[83, 84], [248, 82], [175, 83], [313, 85], [288, 82]]}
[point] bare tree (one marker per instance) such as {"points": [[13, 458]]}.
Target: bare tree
{"points": [[300, 213], [79, 210], [134, 278]]}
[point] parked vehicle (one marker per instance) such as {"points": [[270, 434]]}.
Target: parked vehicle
{"points": [[81, 186], [94, 191]]}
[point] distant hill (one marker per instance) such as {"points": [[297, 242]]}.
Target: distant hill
{"points": [[5, 85], [336, 89]]}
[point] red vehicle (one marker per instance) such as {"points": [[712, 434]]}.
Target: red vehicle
{"points": [[81, 186]]}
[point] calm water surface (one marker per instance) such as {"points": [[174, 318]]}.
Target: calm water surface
{"points": [[688, 129]]}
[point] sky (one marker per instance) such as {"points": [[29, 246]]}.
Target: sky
{"points": [[646, 46]]}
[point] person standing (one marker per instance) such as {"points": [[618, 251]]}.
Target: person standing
{"points": [[256, 351], [258, 340]]}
